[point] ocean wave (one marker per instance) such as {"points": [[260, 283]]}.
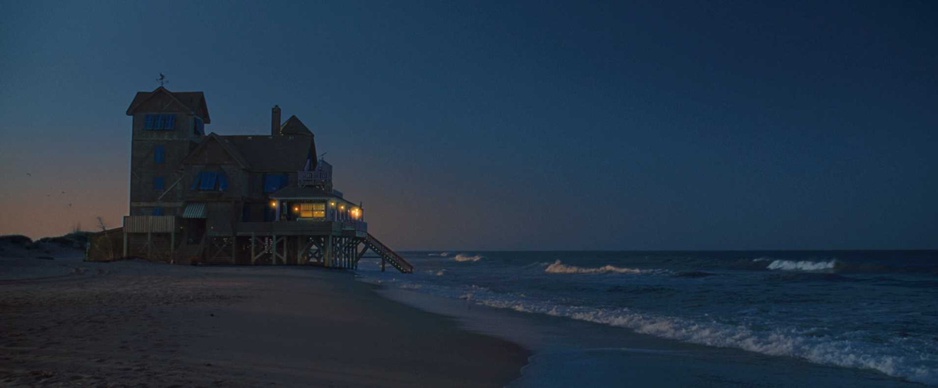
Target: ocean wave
{"points": [[561, 268], [909, 358], [461, 258], [441, 254], [778, 342], [808, 266]]}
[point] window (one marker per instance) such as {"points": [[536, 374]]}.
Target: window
{"points": [[198, 126], [210, 181], [159, 183], [274, 182], [160, 122], [157, 211], [159, 154], [313, 210]]}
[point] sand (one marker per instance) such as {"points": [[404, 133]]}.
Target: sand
{"points": [[66, 322]]}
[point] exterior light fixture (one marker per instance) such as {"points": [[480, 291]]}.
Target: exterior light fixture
{"points": [[273, 203]]}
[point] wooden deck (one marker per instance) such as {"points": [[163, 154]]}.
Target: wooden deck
{"points": [[333, 244]]}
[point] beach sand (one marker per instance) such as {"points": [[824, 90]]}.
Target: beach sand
{"points": [[68, 322]]}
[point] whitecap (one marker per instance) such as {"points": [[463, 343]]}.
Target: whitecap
{"points": [[807, 266], [466, 258], [561, 268], [777, 342]]}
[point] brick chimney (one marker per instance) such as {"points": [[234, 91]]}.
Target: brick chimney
{"points": [[275, 121]]}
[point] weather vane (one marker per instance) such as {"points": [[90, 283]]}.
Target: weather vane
{"points": [[162, 80]]}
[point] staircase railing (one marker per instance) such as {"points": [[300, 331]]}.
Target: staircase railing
{"points": [[388, 255]]}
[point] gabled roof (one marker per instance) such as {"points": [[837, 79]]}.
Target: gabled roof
{"points": [[293, 126], [274, 153], [191, 102], [225, 145]]}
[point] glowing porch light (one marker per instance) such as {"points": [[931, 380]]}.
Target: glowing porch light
{"points": [[273, 204]]}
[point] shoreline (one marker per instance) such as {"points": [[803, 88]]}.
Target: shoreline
{"points": [[135, 322], [567, 352]]}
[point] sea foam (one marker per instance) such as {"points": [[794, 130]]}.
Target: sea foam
{"points": [[561, 268], [808, 266], [776, 342], [467, 258]]}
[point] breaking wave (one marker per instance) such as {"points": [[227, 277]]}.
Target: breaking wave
{"points": [[808, 266], [466, 258], [558, 267], [777, 342]]}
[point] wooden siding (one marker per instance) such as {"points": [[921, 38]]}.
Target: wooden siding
{"points": [[149, 224]]}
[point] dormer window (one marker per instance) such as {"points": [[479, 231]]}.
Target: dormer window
{"points": [[210, 181], [160, 122]]}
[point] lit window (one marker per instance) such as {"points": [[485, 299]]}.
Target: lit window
{"points": [[157, 211], [159, 183], [159, 154], [160, 122], [210, 181], [313, 210]]}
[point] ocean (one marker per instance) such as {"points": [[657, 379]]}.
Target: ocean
{"points": [[736, 318]]}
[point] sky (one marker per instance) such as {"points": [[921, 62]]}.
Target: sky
{"points": [[508, 125]]}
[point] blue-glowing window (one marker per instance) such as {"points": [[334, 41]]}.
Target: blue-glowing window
{"points": [[159, 183], [210, 181], [274, 182], [157, 211], [160, 122], [159, 154]]}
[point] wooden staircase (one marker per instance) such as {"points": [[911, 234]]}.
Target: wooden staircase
{"points": [[387, 255]]}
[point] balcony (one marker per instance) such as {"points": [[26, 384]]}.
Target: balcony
{"points": [[313, 178]]}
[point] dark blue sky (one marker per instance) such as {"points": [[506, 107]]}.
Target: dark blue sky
{"points": [[680, 125]]}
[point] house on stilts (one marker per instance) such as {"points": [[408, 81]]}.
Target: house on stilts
{"points": [[246, 199]]}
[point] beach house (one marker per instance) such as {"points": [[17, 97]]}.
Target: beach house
{"points": [[236, 199]]}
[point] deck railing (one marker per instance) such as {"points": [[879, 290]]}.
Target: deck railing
{"points": [[313, 178]]}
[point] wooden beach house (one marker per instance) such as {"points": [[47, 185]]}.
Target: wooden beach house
{"points": [[223, 199]]}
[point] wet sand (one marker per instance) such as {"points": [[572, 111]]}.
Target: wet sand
{"points": [[67, 322]]}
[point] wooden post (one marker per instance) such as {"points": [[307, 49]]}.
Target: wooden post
{"points": [[125, 243], [172, 246], [149, 243], [327, 259], [360, 254], [234, 249], [299, 250]]}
